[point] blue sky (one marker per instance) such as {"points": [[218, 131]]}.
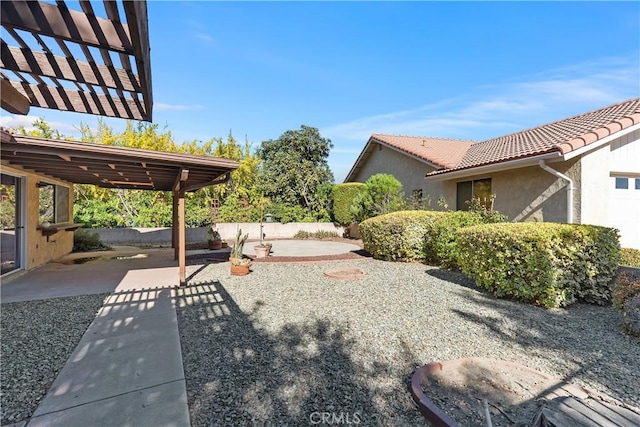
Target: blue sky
{"points": [[469, 70]]}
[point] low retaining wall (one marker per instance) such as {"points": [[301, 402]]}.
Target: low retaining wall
{"points": [[228, 231]]}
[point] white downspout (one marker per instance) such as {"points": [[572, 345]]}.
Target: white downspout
{"points": [[544, 166]]}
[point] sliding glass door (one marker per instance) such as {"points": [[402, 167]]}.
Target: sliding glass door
{"points": [[11, 225]]}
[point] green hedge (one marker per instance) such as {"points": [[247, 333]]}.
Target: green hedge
{"points": [[441, 248], [548, 264], [630, 257], [416, 235], [399, 236], [343, 196]]}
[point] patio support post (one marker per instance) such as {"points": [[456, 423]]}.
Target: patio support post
{"points": [[181, 239], [174, 225]]}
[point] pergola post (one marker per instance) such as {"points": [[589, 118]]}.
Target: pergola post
{"points": [[174, 225], [182, 253]]}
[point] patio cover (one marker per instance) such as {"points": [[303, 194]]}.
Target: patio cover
{"points": [[71, 60], [119, 167]]}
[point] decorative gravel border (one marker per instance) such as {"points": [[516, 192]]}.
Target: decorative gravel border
{"points": [[37, 339], [286, 342]]}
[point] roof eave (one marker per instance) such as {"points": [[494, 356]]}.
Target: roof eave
{"points": [[494, 167], [597, 144], [364, 154]]}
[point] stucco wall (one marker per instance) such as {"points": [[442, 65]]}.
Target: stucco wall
{"points": [[625, 154], [409, 171], [228, 231], [530, 193], [38, 250], [595, 189]]}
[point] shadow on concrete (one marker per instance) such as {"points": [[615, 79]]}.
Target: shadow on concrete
{"points": [[240, 374], [136, 269], [126, 367]]}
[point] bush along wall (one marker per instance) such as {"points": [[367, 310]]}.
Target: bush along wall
{"points": [[417, 235], [343, 197], [399, 236], [547, 264]]}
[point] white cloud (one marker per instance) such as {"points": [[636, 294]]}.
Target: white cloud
{"points": [[15, 120], [499, 109], [164, 106], [204, 37]]}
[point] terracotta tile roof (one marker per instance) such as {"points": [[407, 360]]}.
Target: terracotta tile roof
{"points": [[562, 136], [442, 152]]}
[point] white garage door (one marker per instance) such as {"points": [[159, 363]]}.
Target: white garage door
{"points": [[624, 210]]}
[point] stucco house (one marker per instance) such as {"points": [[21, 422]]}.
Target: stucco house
{"points": [[584, 169]]}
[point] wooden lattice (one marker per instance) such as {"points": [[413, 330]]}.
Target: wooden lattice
{"points": [[215, 211], [71, 60]]}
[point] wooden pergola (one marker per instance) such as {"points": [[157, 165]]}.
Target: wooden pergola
{"points": [[71, 60], [96, 61], [118, 167]]}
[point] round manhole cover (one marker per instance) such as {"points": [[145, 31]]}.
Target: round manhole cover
{"points": [[345, 273]]}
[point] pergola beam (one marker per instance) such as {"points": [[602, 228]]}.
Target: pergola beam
{"points": [[136, 13], [61, 23], [49, 65], [59, 98], [13, 100], [199, 185]]}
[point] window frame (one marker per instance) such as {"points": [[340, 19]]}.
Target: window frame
{"points": [[472, 185], [60, 198]]}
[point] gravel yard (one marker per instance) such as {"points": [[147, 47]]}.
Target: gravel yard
{"points": [[37, 339], [286, 344]]}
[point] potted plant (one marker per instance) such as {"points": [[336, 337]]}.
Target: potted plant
{"points": [[214, 241], [262, 250], [239, 265]]}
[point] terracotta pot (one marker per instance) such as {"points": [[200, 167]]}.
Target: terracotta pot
{"points": [[262, 252], [225, 245], [239, 270], [214, 244]]}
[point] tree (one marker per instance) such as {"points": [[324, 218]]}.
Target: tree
{"points": [[294, 170], [382, 194]]}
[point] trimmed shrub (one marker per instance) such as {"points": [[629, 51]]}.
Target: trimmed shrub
{"points": [[441, 248], [399, 236], [320, 234], [343, 197], [626, 286], [631, 315], [547, 264], [382, 194], [417, 235], [630, 257], [85, 241]]}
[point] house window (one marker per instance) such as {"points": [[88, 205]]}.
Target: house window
{"points": [[637, 183], [477, 189], [622, 183], [53, 203]]}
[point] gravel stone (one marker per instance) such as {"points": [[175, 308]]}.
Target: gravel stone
{"points": [[286, 344], [37, 339]]}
